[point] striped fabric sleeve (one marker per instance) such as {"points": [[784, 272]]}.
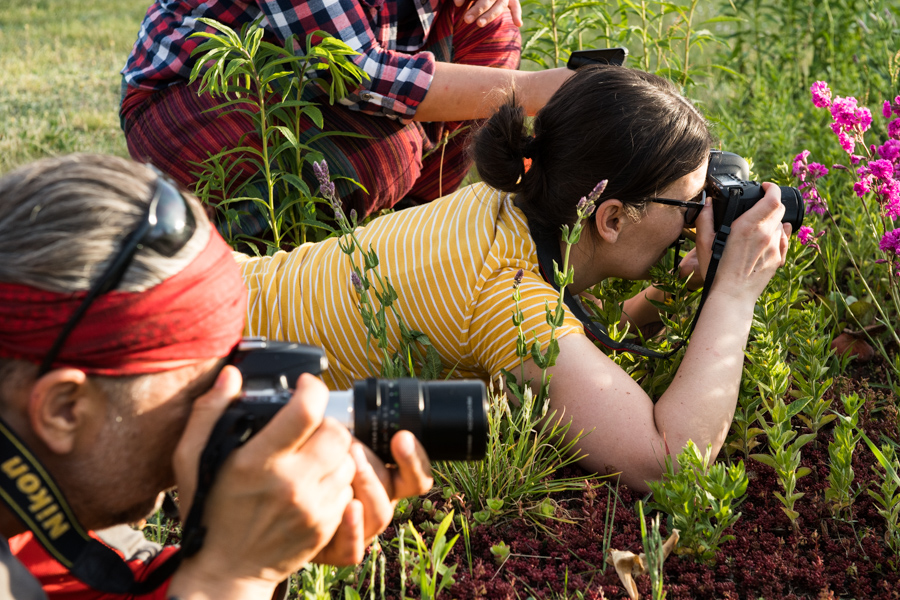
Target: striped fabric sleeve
{"points": [[493, 335]]}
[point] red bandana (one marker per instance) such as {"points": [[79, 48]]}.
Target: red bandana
{"points": [[197, 314]]}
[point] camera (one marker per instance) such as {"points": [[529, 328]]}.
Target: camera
{"points": [[448, 417], [728, 186]]}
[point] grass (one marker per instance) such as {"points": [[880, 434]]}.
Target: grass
{"points": [[59, 76]]}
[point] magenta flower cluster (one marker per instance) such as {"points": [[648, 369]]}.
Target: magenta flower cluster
{"points": [[878, 172], [808, 173], [808, 236]]}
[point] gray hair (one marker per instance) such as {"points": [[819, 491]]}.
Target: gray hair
{"points": [[62, 221]]}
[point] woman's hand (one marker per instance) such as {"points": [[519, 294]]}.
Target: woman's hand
{"points": [[756, 246], [488, 10]]}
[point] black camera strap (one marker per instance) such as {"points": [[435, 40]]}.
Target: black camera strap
{"points": [[549, 255], [34, 497]]}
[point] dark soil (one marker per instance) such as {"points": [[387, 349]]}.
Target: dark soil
{"points": [[826, 558]]}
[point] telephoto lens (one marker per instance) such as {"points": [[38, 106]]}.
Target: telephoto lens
{"points": [[448, 417]]}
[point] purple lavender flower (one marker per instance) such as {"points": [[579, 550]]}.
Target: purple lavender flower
{"points": [[821, 95], [356, 282], [890, 150], [518, 278], [321, 171]]}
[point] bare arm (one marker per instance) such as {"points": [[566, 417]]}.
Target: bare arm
{"points": [[630, 434], [465, 92]]}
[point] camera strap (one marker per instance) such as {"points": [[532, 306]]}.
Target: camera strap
{"points": [[34, 497], [549, 255]]}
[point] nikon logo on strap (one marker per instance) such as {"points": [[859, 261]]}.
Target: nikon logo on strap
{"points": [[42, 507]]}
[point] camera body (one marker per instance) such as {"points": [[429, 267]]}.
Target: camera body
{"points": [[728, 186], [448, 417]]}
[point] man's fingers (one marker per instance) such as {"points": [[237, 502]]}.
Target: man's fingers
{"points": [[296, 421], [205, 411], [348, 545], [413, 474], [372, 493]]}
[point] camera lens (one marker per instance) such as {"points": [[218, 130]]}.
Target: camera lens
{"points": [[794, 207], [448, 417]]}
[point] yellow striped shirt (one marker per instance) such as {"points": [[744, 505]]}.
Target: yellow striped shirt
{"points": [[452, 263]]}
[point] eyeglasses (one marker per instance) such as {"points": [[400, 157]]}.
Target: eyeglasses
{"points": [[166, 228], [692, 206]]}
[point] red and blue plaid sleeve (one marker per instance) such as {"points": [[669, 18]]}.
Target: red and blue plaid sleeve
{"points": [[399, 75]]}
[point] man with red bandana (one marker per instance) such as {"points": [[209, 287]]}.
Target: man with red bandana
{"points": [[118, 305]]}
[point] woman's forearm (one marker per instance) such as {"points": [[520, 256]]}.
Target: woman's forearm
{"points": [[700, 403], [466, 92]]}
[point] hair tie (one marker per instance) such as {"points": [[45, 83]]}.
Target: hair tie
{"points": [[528, 149]]}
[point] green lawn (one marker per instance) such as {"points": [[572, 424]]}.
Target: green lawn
{"points": [[59, 76]]}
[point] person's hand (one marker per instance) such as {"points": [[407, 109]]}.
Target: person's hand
{"points": [[690, 265], [488, 10], [378, 489], [756, 246], [277, 501]]}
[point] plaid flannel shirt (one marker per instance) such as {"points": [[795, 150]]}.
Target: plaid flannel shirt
{"points": [[399, 72]]}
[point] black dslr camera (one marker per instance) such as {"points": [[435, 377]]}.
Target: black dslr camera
{"points": [[728, 186], [448, 417]]}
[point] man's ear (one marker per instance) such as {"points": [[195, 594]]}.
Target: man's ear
{"points": [[608, 219], [59, 407]]}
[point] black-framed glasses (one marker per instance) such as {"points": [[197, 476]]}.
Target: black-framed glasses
{"points": [[692, 206], [167, 226]]}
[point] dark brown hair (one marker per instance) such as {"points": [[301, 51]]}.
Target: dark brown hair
{"points": [[604, 122]]}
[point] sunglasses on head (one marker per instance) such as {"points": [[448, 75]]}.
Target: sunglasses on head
{"points": [[166, 228], [692, 206]]}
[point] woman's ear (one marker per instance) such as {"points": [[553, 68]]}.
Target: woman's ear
{"points": [[608, 219], [61, 405]]}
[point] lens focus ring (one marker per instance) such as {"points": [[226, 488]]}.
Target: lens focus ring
{"points": [[410, 405]]}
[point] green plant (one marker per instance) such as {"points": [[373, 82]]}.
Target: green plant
{"points": [[810, 368], [785, 445], [429, 572], [700, 498], [654, 553], [267, 83], [840, 452], [888, 494]]}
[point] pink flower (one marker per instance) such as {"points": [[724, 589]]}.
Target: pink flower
{"points": [[799, 167], [890, 150], [891, 107], [889, 197], [808, 237], [814, 202], [890, 242], [862, 186], [886, 109], [817, 170], [855, 159], [894, 129], [882, 169], [847, 142], [821, 95]]}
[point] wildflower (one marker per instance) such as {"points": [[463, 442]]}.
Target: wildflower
{"points": [[889, 197], [808, 237], [890, 242], [817, 170], [821, 95], [894, 129], [320, 169], [890, 150], [862, 186], [882, 169], [799, 167], [814, 202], [890, 107], [847, 142], [587, 204], [356, 282], [518, 278]]}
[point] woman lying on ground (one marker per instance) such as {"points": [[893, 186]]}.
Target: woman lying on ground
{"points": [[452, 263]]}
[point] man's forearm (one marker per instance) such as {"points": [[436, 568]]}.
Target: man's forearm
{"points": [[466, 92]]}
